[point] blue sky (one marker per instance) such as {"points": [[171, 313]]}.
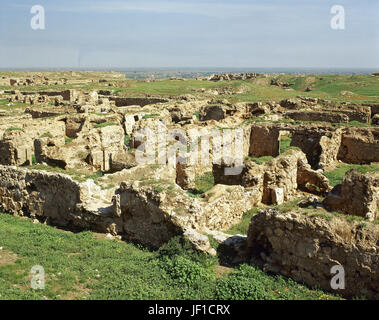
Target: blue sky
{"points": [[189, 33]]}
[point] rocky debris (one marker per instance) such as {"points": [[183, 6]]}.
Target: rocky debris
{"points": [[358, 195], [375, 120], [280, 84], [293, 104], [306, 248], [234, 76], [279, 180], [215, 112]]}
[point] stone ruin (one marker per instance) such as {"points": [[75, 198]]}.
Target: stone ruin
{"points": [[81, 134]]}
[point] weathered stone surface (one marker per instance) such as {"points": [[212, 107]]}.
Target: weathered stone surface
{"points": [[360, 146], [306, 248], [54, 198], [358, 195]]}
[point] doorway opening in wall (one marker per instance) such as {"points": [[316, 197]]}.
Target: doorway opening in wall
{"points": [[285, 139]]}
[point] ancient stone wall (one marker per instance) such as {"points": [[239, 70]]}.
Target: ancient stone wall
{"points": [[54, 198], [264, 141], [360, 114], [307, 115], [121, 102], [359, 146], [306, 248], [358, 195]]}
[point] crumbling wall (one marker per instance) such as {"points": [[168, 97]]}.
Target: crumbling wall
{"points": [[358, 195], [306, 248], [54, 198], [16, 148], [264, 141], [330, 145], [353, 113], [308, 115], [278, 180], [122, 102], [360, 146]]}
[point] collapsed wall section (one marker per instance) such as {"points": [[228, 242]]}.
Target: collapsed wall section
{"points": [[306, 248]]}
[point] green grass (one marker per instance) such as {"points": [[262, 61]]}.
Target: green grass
{"points": [[105, 124], [243, 226], [285, 144], [202, 184], [151, 116], [260, 160], [68, 140], [13, 129], [127, 141], [47, 135], [85, 266], [336, 176], [75, 175]]}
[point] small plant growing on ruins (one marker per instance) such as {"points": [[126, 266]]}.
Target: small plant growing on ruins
{"points": [[105, 124], [68, 140], [13, 129], [47, 135], [149, 116], [362, 225], [127, 141], [158, 189]]}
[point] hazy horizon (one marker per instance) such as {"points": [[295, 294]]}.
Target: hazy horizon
{"points": [[99, 34]]}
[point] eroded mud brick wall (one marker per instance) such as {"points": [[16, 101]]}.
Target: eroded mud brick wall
{"points": [[122, 102], [360, 146], [358, 195], [264, 141], [305, 248]]}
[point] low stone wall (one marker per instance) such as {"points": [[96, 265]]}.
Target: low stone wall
{"points": [[306, 248], [358, 195], [51, 197], [360, 146], [360, 114], [305, 115], [122, 102]]}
